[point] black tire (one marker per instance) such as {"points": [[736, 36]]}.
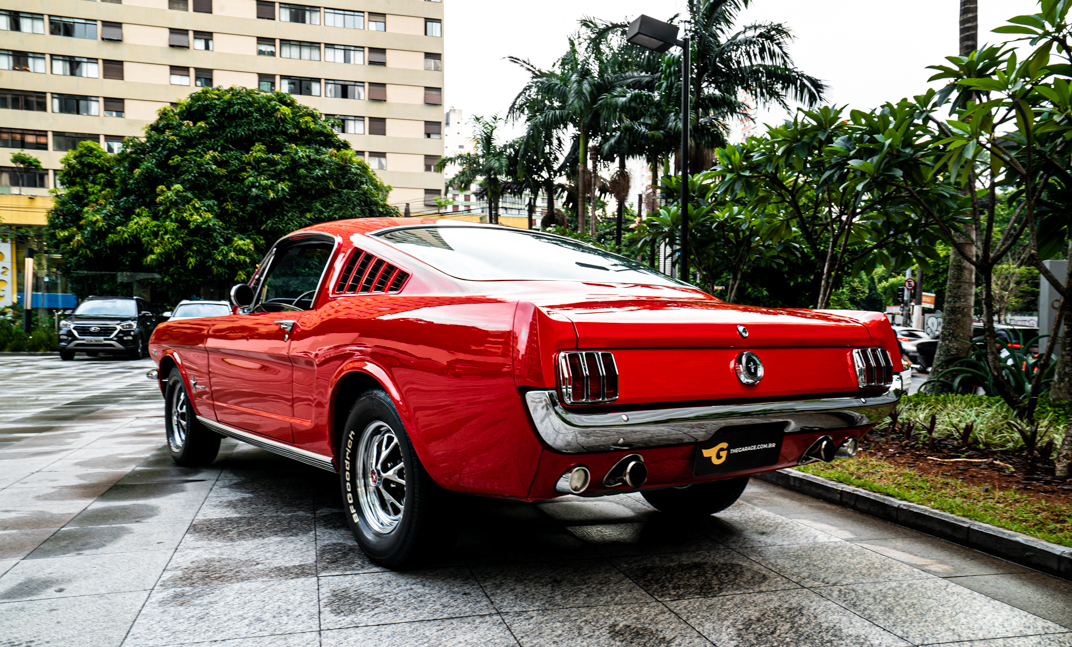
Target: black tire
{"points": [[66, 355], [189, 442], [138, 352], [397, 537], [699, 500]]}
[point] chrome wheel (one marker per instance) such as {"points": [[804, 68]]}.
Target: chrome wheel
{"points": [[381, 477], [179, 420]]}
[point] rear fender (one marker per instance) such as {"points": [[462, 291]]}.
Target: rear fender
{"points": [[377, 376], [878, 326]]}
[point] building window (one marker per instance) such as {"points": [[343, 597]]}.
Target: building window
{"points": [[299, 13], [27, 179], [115, 108], [345, 19], [16, 100], [27, 23], [265, 47], [179, 38], [70, 141], [113, 70], [203, 78], [433, 130], [377, 22], [433, 28], [377, 56], [180, 75], [378, 161], [348, 125], [433, 62], [113, 144], [265, 10], [203, 40], [377, 91], [266, 82], [344, 89], [299, 50], [75, 66], [203, 6], [178, 5], [377, 126], [344, 54], [73, 104], [112, 31], [430, 197], [433, 96], [430, 162], [29, 139], [22, 61], [300, 86], [72, 27]]}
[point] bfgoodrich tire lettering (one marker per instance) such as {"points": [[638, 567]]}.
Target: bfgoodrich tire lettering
{"points": [[398, 515], [189, 442], [701, 499]]}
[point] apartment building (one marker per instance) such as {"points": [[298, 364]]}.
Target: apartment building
{"points": [[74, 70]]}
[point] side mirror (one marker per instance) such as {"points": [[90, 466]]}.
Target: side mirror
{"points": [[146, 313], [167, 315], [242, 295]]}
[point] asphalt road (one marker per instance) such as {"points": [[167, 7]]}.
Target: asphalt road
{"points": [[103, 541]]}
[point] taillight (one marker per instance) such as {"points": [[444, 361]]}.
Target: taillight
{"points": [[873, 367], [587, 378]]}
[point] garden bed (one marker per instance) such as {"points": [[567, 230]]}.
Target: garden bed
{"points": [[994, 479]]}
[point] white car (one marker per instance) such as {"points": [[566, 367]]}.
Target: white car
{"points": [[908, 338], [196, 309]]}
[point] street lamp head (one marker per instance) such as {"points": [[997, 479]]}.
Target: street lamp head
{"points": [[652, 34]]}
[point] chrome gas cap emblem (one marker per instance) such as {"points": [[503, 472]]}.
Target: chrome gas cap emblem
{"points": [[749, 368], [743, 331]]}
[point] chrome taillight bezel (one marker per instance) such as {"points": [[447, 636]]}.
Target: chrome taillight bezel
{"points": [[582, 372], [873, 366]]}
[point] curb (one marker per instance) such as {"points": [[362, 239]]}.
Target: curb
{"points": [[1012, 546]]}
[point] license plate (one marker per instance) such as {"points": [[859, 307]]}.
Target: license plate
{"points": [[739, 448], [93, 340]]}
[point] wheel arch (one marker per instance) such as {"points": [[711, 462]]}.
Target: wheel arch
{"points": [[169, 361], [353, 380]]}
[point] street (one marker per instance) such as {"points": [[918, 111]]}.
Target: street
{"points": [[104, 541]]}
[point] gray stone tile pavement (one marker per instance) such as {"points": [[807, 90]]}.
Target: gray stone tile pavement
{"points": [[103, 541]]}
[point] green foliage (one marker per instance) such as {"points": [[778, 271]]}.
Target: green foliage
{"points": [[23, 159], [215, 181], [1018, 367], [13, 339], [989, 415], [487, 166]]}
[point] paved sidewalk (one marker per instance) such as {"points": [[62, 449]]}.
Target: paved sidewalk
{"points": [[103, 541]]}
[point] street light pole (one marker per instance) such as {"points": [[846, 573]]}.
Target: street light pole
{"points": [[686, 55], [659, 36]]}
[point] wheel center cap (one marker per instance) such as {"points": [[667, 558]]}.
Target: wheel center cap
{"points": [[374, 477]]}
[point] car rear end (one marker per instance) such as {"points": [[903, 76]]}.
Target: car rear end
{"points": [[670, 392]]}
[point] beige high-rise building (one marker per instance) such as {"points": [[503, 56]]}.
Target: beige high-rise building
{"points": [[85, 69]]}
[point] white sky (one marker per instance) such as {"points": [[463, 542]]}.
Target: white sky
{"points": [[867, 51]]}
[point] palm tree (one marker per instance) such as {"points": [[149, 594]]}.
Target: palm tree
{"points": [[533, 162], [487, 166], [953, 341]]}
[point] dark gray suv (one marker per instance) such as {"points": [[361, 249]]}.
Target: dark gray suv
{"points": [[108, 325]]}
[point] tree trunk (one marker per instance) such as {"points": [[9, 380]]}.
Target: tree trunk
{"points": [[621, 207], [1061, 389], [582, 180], [549, 187], [595, 174], [532, 210]]}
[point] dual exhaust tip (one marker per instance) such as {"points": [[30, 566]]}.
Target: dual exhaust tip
{"points": [[824, 449], [630, 471]]}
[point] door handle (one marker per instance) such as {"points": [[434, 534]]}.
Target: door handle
{"points": [[287, 325]]}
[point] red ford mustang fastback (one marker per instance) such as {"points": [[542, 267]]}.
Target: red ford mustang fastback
{"points": [[422, 357]]}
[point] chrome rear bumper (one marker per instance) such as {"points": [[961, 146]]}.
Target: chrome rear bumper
{"points": [[571, 432]]}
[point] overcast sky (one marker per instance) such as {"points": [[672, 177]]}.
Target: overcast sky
{"points": [[867, 51]]}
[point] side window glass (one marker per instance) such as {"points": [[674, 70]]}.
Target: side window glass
{"points": [[293, 277]]}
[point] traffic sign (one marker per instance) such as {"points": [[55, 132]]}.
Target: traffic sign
{"points": [[910, 284]]}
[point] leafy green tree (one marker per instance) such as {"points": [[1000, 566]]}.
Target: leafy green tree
{"points": [[215, 181], [23, 160], [488, 167]]}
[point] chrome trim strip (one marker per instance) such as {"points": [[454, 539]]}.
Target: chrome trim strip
{"points": [[307, 457], [104, 344], [575, 433]]}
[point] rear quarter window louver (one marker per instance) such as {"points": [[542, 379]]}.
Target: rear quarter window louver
{"points": [[366, 274]]}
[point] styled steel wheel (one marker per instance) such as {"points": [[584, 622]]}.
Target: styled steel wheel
{"points": [[381, 477], [189, 443], [397, 514]]}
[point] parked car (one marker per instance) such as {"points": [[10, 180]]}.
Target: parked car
{"points": [[107, 325], [422, 357], [909, 337], [194, 309]]}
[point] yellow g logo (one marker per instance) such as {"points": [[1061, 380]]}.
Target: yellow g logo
{"points": [[717, 454]]}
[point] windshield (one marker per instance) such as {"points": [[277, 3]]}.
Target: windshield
{"points": [[194, 310], [108, 308], [490, 254]]}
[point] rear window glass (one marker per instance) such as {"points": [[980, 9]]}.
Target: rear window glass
{"points": [[491, 254]]}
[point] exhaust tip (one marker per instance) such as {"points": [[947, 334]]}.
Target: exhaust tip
{"points": [[848, 448], [823, 449], [629, 471], [574, 481], [636, 474]]}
